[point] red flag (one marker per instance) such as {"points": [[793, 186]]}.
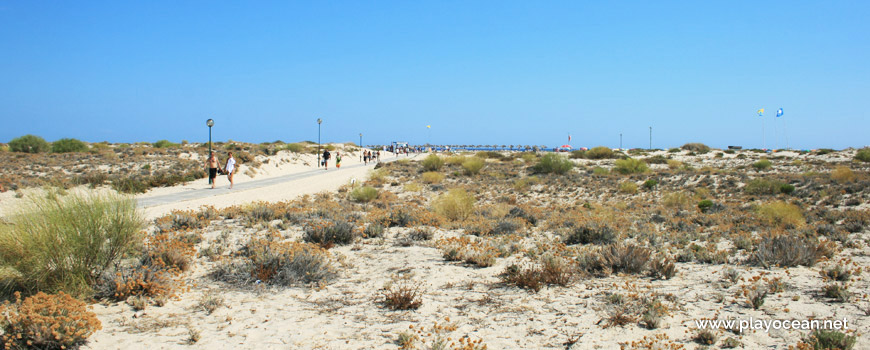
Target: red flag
{"points": [[569, 137]]}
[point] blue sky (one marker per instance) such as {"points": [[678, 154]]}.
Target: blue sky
{"points": [[479, 72]]}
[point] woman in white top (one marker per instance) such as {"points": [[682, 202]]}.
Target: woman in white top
{"points": [[230, 169]]}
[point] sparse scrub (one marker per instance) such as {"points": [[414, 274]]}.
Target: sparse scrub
{"points": [[762, 164], [678, 200], [824, 339], [403, 295], [432, 163], [837, 291], [786, 251], [782, 214], [364, 194], [630, 166], [165, 144], [456, 204], [627, 187], [599, 152], [46, 321], [762, 187], [706, 337], [553, 163], [329, 232], [472, 165], [277, 263], [65, 243], [431, 177], [843, 175], [696, 147], [863, 155], [296, 147], [68, 145]]}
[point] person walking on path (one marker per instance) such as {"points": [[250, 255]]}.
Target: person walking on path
{"points": [[378, 156], [337, 160], [326, 159], [230, 168], [212, 165]]}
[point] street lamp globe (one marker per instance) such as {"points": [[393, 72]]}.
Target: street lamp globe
{"points": [[209, 122], [319, 120]]}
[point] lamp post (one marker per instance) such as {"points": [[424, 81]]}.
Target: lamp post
{"points": [[650, 138], [360, 147], [210, 123], [318, 141], [620, 141]]}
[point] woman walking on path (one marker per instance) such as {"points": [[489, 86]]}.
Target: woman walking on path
{"points": [[337, 160], [211, 165], [230, 169], [325, 159]]}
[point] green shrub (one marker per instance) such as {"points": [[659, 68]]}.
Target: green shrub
{"points": [[431, 177], [762, 164], [490, 155], [599, 152], [705, 205], [64, 243], [679, 200], [329, 232], [28, 144], [472, 165], [674, 150], [786, 251], [762, 186], [786, 188], [432, 163], [650, 184], [830, 339], [553, 163], [164, 144], [364, 194], [578, 154], [782, 213], [296, 147], [628, 187], [600, 171], [630, 166], [68, 145], [863, 155], [657, 159], [842, 174], [696, 147], [456, 204]]}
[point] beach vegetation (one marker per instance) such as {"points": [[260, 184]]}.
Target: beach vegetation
{"points": [[600, 152], [456, 204], [46, 321], [863, 154], [630, 166], [432, 163], [364, 194], [472, 165], [553, 163], [29, 144], [68, 145], [696, 147]]}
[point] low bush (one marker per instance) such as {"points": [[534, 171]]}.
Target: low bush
{"points": [[29, 144], [277, 263], [705, 205], [600, 171], [456, 204], [786, 188], [762, 164], [762, 187], [431, 177], [630, 166], [592, 232], [863, 155], [650, 184], [68, 145], [696, 147], [553, 163], [364, 194], [677, 200], [828, 339], [165, 144], [782, 214], [843, 174], [472, 165], [402, 296], [64, 243], [627, 187], [373, 231], [329, 232], [662, 268], [295, 147], [432, 163], [599, 152], [550, 270], [46, 321], [786, 251], [578, 154], [627, 258]]}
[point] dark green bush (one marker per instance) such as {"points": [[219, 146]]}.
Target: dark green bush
{"points": [[762, 186], [630, 166], [786, 188], [553, 163], [164, 144], [650, 184], [762, 164], [68, 145], [696, 147], [599, 152], [863, 155], [28, 144], [432, 163], [705, 205]]}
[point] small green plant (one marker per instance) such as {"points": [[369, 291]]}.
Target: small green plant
{"points": [[29, 144], [762, 187], [553, 163], [705, 205], [456, 204], [762, 164], [329, 232], [650, 184], [706, 337], [782, 214], [600, 171], [68, 145], [472, 165], [432, 163], [824, 339], [630, 166], [863, 155], [786, 188], [837, 291], [402, 296], [295, 147], [364, 194]]}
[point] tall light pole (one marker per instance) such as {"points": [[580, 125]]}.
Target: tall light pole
{"points": [[318, 141], [210, 123], [650, 138], [360, 147], [620, 141]]}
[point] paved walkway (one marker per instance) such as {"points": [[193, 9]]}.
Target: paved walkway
{"points": [[146, 202]]}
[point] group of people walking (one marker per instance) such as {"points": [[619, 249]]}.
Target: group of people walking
{"points": [[368, 156], [213, 166], [324, 160]]}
